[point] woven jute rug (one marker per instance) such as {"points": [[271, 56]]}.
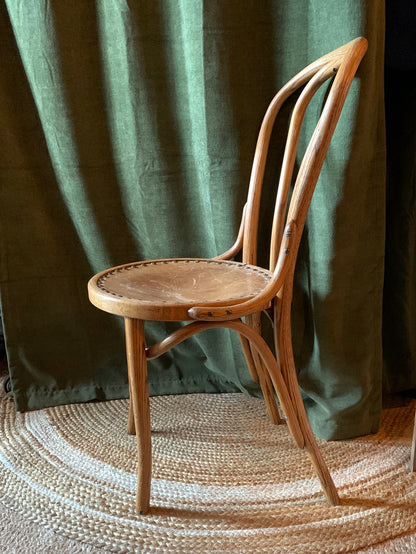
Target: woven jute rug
{"points": [[224, 479]]}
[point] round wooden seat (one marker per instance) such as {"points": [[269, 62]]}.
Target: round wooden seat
{"points": [[167, 289]]}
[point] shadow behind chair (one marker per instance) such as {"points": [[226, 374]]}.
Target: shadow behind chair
{"points": [[218, 292]]}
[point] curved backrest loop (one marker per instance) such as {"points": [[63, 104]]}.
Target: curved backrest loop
{"points": [[342, 63]]}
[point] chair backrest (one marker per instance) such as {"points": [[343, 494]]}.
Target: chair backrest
{"points": [[341, 65], [289, 221]]}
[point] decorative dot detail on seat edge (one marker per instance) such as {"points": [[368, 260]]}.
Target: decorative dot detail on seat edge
{"points": [[180, 280]]}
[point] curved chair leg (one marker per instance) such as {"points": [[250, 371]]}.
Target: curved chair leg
{"points": [[262, 376], [320, 466], [297, 421], [306, 439], [139, 397], [310, 441], [259, 372], [257, 345], [284, 351]]}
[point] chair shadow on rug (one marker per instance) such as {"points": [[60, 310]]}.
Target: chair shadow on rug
{"points": [[217, 292]]}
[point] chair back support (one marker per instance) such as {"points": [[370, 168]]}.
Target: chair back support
{"points": [[289, 221], [341, 65]]}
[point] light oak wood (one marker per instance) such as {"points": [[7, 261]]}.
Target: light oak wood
{"points": [[259, 346], [221, 293]]}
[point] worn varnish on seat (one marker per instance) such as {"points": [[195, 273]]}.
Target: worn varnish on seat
{"points": [[221, 293], [170, 288]]}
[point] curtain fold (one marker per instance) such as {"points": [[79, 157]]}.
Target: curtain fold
{"points": [[130, 131]]}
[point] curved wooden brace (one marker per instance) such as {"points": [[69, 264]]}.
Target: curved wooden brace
{"points": [[261, 347], [284, 354]]}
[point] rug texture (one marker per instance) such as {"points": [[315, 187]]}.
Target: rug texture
{"points": [[224, 479]]}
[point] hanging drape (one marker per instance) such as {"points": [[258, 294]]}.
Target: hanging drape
{"points": [[399, 316], [128, 133]]}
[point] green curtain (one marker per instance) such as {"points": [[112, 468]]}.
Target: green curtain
{"points": [[129, 130]]}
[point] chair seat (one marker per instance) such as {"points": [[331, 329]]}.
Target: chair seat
{"points": [[166, 289]]}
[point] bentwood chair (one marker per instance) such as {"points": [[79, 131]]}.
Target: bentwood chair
{"points": [[218, 292]]}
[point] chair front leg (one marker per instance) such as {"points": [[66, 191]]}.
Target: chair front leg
{"points": [[139, 399]]}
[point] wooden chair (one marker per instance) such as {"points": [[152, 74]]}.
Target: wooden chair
{"points": [[218, 292]]}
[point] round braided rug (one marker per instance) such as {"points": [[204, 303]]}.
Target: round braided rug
{"points": [[224, 479]]}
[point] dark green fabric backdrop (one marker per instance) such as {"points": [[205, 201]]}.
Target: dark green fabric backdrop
{"points": [[399, 317], [128, 133]]}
